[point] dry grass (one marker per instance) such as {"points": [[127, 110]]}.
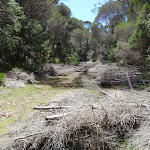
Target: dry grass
{"points": [[94, 122], [97, 119], [17, 104], [17, 78], [124, 55], [141, 138]]}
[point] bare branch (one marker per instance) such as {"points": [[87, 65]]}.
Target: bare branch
{"points": [[51, 107], [53, 117]]}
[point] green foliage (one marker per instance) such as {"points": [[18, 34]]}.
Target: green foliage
{"points": [[33, 46], [95, 30], [124, 55], [22, 43], [39, 10], [140, 39], [11, 17], [111, 56], [127, 28], [135, 10], [27, 42], [94, 56], [74, 23], [71, 59], [58, 23], [2, 77], [111, 14], [87, 25], [64, 10], [80, 42], [133, 36], [123, 31]]}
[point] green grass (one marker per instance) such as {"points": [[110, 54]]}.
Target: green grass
{"points": [[20, 102]]}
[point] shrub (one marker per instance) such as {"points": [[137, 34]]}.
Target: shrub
{"points": [[124, 55], [2, 77], [111, 56], [71, 60]]}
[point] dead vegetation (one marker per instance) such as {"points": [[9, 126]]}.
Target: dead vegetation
{"points": [[17, 78], [106, 75], [89, 118], [94, 121]]}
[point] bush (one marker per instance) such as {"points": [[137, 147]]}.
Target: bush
{"points": [[124, 55], [2, 77], [111, 56], [71, 60]]}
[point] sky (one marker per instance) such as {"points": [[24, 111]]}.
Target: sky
{"points": [[82, 9]]}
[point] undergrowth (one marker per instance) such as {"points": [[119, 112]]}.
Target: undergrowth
{"points": [[2, 77]]}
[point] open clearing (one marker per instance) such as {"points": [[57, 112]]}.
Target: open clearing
{"points": [[81, 118], [17, 104]]}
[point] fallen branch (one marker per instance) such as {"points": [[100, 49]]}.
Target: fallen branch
{"points": [[53, 117], [22, 138], [51, 107], [106, 93]]}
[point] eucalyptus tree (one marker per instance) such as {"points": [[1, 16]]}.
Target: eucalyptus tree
{"points": [[59, 35], [141, 38], [111, 14], [74, 23], [37, 9], [87, 24], [63, 10], [80, 40]]}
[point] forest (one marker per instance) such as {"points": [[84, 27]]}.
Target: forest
{"points": [[37, 32]]}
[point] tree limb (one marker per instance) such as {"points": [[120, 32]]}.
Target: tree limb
{"points": [[50, 107]]}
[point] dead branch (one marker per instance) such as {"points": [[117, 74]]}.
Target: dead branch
{"points": [[22, 138], [106, 93], [53, 117], [51, 107]]}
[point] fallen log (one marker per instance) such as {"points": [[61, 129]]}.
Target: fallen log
{"points": [[50, 107], [53, 117]]}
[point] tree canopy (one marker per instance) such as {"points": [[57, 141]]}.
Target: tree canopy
{"points": [[36, 32]]}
